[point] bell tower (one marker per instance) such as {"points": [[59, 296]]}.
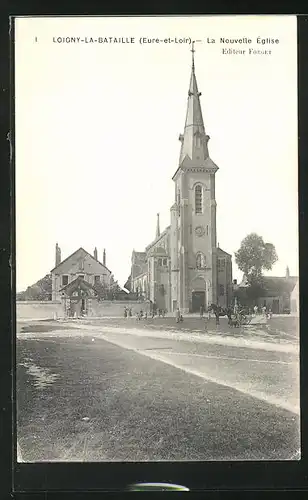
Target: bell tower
{"points": [[193, 215]]}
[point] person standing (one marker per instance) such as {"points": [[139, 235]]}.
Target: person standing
{"points": [[209, 313], [229, 316], [201, 311], [217, 315], [255, 310], [178, 315]]}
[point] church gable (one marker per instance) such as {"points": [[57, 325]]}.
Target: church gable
{"points": [[162, 242], [222, 254]]}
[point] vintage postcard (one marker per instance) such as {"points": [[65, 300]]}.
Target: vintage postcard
{"points": [[157, 239]]}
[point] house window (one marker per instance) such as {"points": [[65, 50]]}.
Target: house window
{"points": [[164, 262], [221, 290], [97, 279], [200, 261], [64, 280], [198, 199]]}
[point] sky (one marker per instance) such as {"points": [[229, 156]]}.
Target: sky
{"points": [[97, 127]]}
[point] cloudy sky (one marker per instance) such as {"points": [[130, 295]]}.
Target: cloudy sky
{"points": [[97, 128]]}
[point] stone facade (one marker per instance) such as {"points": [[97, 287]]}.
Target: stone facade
{"points": [[184, 267], [78, 264]]}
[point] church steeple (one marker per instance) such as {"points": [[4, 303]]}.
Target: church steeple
{"points": [[157, 227], [194, 140]]}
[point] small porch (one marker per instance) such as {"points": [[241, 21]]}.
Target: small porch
{"points": [[77, 298]]}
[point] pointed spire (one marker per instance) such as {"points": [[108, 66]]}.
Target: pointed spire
{"points": [[104, 257], [157, 227], [194, 140], [192, 55]]}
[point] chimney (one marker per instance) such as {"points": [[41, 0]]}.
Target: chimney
{"points": [[287, 272], [104, 257], [95, 253], [58, 255], [157, 227]]}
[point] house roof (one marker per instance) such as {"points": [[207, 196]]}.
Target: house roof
{"points": [[274, 285], [277, 285], [78, 283], [74, 253]]}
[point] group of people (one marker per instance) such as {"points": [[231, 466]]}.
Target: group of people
{"points": [[255, 311], [143, 314], [128, 312], [236, 315]]}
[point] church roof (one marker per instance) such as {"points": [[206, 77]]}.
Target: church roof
{"points": [[140, 255], [75, 254], [222, 252], [161, 236]]}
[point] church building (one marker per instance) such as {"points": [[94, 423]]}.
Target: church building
{"points": [[184, 267]]}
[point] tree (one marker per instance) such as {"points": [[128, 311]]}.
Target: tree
{"points": [[101, 290], [254, 256], [42, 290]]}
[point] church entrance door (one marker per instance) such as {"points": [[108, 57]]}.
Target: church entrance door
{"points": [[198, 300]]}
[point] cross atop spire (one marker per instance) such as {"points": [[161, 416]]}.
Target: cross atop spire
{"points": [[192, 50]]}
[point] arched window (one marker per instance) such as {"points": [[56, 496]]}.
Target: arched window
{"points": [[198, 199], [200, 261]]}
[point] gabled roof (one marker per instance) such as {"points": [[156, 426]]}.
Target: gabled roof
{"points": [[220, 251], [78, 283], [279, 284], [161, 236], [73, 254], [274, 285]]}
